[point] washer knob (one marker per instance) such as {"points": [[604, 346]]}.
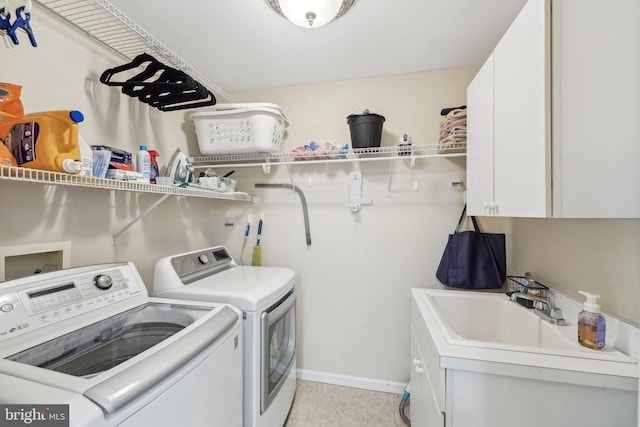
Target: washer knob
{"points": [[203, 259], [103, 281]]}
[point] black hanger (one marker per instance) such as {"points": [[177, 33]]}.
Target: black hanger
{"points": [[210, 100], [107, 75], [139, 79], [189, 90], [175, 97], [167, 81], [159, 85]]}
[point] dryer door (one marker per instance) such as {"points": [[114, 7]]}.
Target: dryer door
{"points": [[278, 347]]}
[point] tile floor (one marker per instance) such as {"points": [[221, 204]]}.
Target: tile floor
{"points": [[327, 405]]}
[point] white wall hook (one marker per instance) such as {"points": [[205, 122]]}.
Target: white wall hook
{"points": [[405, 149], [266, 168], [355, 192], [457, 184]]}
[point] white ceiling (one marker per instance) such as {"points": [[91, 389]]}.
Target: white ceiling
{"points": [[246, 45]]}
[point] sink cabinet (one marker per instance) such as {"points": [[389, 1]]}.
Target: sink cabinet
{"points": [[551, 128], [426, 393], [459, 388]]}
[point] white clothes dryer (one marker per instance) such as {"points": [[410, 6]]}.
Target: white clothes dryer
{"points": [[91, 339], [267, 298]]}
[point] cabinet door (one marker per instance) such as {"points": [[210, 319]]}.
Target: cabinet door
{"points": [[522, 143], [596, 109], [480, 141], [423, 409], [418, 386]]}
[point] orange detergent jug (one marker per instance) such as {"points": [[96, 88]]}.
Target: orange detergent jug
{"points": [[10, 112], [48, 140], [6, 158], [11, 109]]}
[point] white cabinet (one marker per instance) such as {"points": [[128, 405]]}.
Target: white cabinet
{"points": [[427, 379], [552, 121], [425, 412], [596, 108], [521, 140], [480, 194]]}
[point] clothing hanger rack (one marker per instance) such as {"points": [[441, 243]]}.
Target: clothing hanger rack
{"points": [[104, 22], [158, 84]]}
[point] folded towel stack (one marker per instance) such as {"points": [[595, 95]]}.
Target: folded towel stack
{"points": [[453, 129]]}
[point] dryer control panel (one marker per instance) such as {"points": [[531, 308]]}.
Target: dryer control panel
{"points": [[40, 300], [194, 266]]}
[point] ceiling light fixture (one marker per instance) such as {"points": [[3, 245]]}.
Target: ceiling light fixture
{"points": [[311, 13]]}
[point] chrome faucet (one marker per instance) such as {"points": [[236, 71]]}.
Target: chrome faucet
{"points": [[541, 307]]}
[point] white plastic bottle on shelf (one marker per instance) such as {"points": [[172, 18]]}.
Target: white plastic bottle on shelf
{"points": [[86, 153], [143, 162]]}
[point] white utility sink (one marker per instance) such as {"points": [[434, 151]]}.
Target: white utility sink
{"points": [[479, 359], [493, 321]]}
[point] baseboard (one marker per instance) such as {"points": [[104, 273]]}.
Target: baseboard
{"points": [[348, 381]]}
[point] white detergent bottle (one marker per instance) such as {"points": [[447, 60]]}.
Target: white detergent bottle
{"points": [[591, 323], [143, 162], [86, 154]]}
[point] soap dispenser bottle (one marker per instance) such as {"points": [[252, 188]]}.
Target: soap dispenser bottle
{"points": [[591, 323]]}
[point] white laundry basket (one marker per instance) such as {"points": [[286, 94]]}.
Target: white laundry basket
{"points": [[240, 129]]}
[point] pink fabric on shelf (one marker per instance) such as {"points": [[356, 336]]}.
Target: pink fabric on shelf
{"points": [[453, 139], [450, 125], [458, 130], [456, 114]]}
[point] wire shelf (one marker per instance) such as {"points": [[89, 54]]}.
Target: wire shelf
{"points": [[104, 22], [58, 178], [521, 285], [406, 152]]}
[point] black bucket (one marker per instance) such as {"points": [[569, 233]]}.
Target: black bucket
{"points": [[366, 129]]}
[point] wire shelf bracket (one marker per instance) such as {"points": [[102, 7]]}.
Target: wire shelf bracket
{"points": [[12, 173], [104, 22]]}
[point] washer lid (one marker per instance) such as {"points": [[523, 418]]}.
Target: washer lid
{"points": [[100, 346], [193, 330], [247, 288]]}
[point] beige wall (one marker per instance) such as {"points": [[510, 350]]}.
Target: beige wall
{"points": [[354, 278], [601, 256]]}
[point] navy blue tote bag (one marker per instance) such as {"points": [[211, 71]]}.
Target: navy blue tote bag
{"points": [[473, 259]]}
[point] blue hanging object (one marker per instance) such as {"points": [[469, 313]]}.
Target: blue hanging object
{"points": [[22, 22], [5, 20]]}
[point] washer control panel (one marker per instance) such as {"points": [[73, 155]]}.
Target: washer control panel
{"points": [[92, 286], [30, 305]]}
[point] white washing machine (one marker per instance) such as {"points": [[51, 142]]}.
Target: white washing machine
{"points": [[267, 298], [91, 339]]}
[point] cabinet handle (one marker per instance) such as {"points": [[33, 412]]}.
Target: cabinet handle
{"points": [[417, 362], [419, 370], [490, 206]]}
